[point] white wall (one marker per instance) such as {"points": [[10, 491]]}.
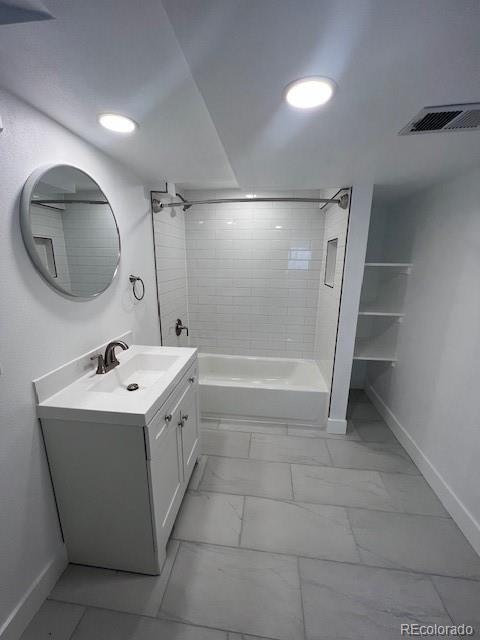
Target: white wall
{"points": [[253, 275], [336, 223], [169, 227], [359, 220], [41, 330], [431, 396]]}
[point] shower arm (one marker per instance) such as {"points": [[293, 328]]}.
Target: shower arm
{"points": [[158, 205]]}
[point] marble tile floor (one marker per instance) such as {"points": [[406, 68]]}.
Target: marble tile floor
{"points": [[286, 533]]}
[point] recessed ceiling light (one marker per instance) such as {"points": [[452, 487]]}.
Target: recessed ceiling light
{"points": [[250, 195], [116, 122], [308, 93]]}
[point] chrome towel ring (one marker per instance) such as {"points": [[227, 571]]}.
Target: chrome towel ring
{"points": [[134, 279]]}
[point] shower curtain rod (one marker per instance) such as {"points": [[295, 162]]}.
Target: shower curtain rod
{"points": [[158, 205], [69, 201]]}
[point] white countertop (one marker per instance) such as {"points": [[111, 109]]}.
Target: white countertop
{"points": [[104, 398]]}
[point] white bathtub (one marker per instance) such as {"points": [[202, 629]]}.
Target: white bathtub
{"points": [[276, 389]]}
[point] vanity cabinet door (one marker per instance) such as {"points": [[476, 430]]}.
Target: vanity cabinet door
{"points": [[171, 441], [189, 427], [166, 475]]}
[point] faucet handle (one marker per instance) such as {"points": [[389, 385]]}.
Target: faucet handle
{"points": [[179, 327], [100, 363]]}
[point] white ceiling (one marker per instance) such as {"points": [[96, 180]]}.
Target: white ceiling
{"points": [[205, 80], [120, 55], [14, 11]]}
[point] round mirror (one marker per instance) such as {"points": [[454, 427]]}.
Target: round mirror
{"points": [[70, 231]]}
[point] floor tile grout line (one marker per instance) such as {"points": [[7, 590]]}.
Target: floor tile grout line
{"points": [[291, 482], [352, 531], [321, 504], [219, 455], [242, 521], [201, 489], [299, 557], [74, 631], [237, 424], [437, 591], [167, 582], [157, 617], [335, 437], [260, 433], [322, 466], [324, 559], [329, 453], [249, 457], [388, 569], [199, 626], [192, 479], [301, 599], [239, 420], [203, 470], [395, 444]]}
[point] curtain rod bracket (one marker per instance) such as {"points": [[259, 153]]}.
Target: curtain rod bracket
{"points": [[344, 200]]}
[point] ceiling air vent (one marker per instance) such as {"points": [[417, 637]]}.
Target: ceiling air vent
{"points": [[451, 117]]}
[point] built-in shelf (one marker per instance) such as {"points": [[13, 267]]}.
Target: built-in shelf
{"points": [[397, 265], [381, 309], [371, 349], [380, 313]]}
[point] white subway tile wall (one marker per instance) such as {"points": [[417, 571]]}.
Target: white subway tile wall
{"points": [[91, 242], [47, 223], [336, 224], [253, 276], [85, 245], [169, 233]]}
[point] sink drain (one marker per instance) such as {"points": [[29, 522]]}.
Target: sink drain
{"points": [[132, 387]]}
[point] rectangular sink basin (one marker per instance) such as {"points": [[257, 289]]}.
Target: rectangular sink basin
{"points": [[144, 370]]}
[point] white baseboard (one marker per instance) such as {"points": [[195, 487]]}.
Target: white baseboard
{"points": [[335, 425], [452, 503], [33, 599]]}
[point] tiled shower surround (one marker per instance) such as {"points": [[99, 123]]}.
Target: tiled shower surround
{"points": [[253, 276], [336, 224], [171, 271]]}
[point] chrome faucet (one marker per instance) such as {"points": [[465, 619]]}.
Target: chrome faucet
{"points": [[109, 362], [110, 358]]}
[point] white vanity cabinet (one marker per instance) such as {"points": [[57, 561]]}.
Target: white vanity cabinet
{"points": [[119, 486]]}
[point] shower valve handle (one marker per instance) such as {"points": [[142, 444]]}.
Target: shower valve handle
{"points": [[179, 327]]}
